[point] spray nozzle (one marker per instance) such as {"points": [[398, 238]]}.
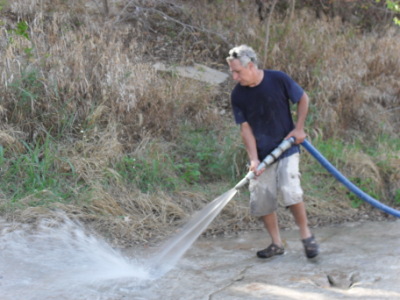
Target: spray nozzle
{"points": [[268, 160]]}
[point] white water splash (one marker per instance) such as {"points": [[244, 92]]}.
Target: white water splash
{"points": [[58, 260]]}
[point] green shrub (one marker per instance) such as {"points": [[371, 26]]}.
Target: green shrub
{"points": [[148, 174], [36, 174]]}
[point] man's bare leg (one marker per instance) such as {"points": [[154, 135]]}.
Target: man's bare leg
{"points": [[310, 245], [276, 247], [271, 224], [299, 213]]}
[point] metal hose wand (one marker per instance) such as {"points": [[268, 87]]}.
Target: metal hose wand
{"points": [[268, 160]]}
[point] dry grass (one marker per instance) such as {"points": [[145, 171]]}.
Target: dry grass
{"points": [[94, 76]]}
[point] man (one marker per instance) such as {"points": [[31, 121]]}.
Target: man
{"points": [[260, 103]]}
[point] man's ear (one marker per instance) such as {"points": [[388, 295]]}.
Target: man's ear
{"points": [[251, 66]]}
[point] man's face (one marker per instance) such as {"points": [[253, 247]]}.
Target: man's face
{"points": [[240, 74]]}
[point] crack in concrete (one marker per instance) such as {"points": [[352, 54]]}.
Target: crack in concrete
{"points": [[239, 277]]}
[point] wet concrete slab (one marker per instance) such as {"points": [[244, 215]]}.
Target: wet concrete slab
{"points": [[357, 261]]}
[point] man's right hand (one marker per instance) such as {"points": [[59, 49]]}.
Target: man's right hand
{"points": [[253, 167]]}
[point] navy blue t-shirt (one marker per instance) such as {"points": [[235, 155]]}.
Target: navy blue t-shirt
{"points": [[266, 108]]}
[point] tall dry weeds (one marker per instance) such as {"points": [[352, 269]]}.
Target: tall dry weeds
{"points": [[83, 77]]}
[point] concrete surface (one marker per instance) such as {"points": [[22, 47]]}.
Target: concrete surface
{"points": [[357, 261]]}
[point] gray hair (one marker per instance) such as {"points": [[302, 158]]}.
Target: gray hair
{"points": [[244, 54]]}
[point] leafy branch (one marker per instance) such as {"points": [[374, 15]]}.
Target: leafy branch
{"points": [[393, 6]]}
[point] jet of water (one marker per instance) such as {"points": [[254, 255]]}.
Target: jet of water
{"points": [[175, 247]]}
